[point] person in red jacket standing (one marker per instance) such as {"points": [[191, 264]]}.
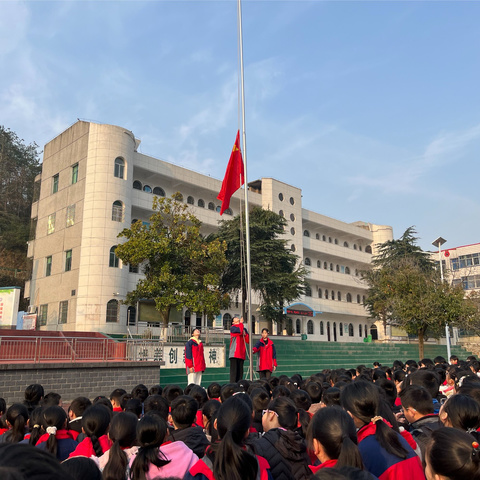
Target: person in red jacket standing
{"points": [[238, 340], [194, 358], [267, 355]]}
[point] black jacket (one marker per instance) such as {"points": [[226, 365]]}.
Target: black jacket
{"points": [[422, 429], [193, 437], [286, 452]]}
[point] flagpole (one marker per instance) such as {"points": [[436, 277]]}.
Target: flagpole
{"points": [[247, 221]]}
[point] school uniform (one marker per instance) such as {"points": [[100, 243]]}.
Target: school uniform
{"points": [[194, 358]]}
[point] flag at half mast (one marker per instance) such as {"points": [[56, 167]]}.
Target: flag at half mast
{"points": [[234, 176]]}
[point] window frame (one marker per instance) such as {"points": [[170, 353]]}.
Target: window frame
{"points": [[63, 312], [42, 315], [48, 266], [118, 211], [51, 223], [55, 182], [68, 260], [119, 168], [113, 261], [74, 174], [109, 313]]}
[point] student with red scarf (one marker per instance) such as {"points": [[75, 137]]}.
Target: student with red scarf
{"points": [[195, 358], [238, 340]]}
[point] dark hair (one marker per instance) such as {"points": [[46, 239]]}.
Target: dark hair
{"points": [[280, 391], [450, 453], [231, 461], [399, 375], [286, 410], [134, 405], [417, 397], [334, 429], [199, 394], [151, 432], [117, 394], [463, 412], [95, 422], [265, 330], [171, 392], [122, 433], [397, 364], [184, 411], [378, 374], [155, 390], [331, 396], [227, 391], [315, 390], [156, 403], [474, 365], [53, 416], [260, 401], [35, 424], [51, 398], [33, 395], [426, 378], [362, 400], [79, 405], [426, 362], [471, 389], [243, 385], [389, 389], [273, 382], [439, 359], [103, 400], [411, 363], [81, 468], [213, 390], [303, 402], [453, 357], [140, 392], [210, 410], [25, 462], [124, 400], [17, 417]]}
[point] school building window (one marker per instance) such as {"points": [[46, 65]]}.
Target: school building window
{"points": [[119, 168], [42, 315], [63, 312], [112, 311], [113, 261], [55, 183], [70, 216], [51, 224], [75, 173], [48, 266], [117, 211], [68, 260]]}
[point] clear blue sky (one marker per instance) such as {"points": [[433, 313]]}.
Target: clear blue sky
{"points": [[372, 108]]}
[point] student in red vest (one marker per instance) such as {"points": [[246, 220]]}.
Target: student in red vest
{"points": [[267, 355], [238, 340], [194, 358]]}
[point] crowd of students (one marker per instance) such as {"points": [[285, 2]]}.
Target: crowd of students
{"points": [[408, 421]]}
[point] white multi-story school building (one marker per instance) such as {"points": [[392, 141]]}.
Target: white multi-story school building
{"points": [[94, 183]]}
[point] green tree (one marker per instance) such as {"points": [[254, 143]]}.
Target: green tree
{"points": [[19, 164], [275, 275], [181, 269], [405, 289]]}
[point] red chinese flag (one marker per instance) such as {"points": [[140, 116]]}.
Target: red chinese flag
{"points": [[234, 177]]}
